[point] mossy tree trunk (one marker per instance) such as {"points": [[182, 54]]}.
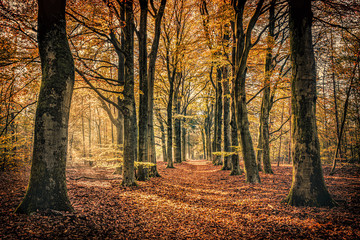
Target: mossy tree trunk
{"points": [[170, 163], [264, 143], [218, 118], [151, 78], [308, 186], [177, 130], [227, 127], [47, 187], [235, 165], [242, 48], [144, 94], [143, 85], [129, 110], [183, 137]]}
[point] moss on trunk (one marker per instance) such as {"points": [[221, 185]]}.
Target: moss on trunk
{"points": [[47, 187], [308, 186]]}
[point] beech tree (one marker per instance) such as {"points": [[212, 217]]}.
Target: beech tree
{"points": [[243, 44], [47, 187], [308, 187]]}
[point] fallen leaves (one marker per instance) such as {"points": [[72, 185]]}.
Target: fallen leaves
{"points": [[195, 200]]}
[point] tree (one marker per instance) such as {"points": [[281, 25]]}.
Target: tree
{"points": [[47, 187], [263, 146], [129, 110], [308, 186], [243, 45]]}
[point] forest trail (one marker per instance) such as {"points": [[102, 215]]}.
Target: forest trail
{"points": [[194, 200]]}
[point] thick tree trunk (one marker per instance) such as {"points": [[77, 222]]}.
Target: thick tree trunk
{"points": [[144, 94], [130, 126], [143, 84], [227, 127], [47, 187], [308, 186]]}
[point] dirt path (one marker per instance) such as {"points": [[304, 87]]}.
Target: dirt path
{"points": [[195, 200]]}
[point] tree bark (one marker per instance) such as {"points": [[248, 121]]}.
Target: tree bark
{"points": [[130, 125], [235, 165], [242, 48], [308, 186], [265, 103], [151, 78], [170, 163], [218, 118], [227, 128], [47, 187], [143, 85], [177, 131], [183, 138]]}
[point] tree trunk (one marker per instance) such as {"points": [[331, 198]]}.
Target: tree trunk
{"points": [[242, 49], [170, 163], [163, 140], [130, 126], [47, 187], [151, 78], [227, 130], [259, 153], [235, 166], [281, 133], [247, 149], [308, 186], [144, 94], [218, 117], [83, 129], [177, 131], [143, 85], [89, 123], [183, 138], [265, 104]]}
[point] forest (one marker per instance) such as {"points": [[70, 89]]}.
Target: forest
{"points": [[179, 119]]}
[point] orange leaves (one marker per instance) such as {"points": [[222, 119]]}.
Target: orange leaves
{"points": [[196, 200]]}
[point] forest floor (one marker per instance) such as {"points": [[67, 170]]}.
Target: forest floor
{"points": [[195, 200]]}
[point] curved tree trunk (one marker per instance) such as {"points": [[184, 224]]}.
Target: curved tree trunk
{"points": [[47, 187], [308, 186], [151, 78], [247, 149], [266, 104], [242, 48]]}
